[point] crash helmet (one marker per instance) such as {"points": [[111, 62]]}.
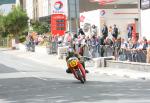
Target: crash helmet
{"points": [[71, 51]]}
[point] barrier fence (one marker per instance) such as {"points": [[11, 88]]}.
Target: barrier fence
{"points": [[119, 54], [4, 42]]}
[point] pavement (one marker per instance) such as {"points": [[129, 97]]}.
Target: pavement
{"points": [[52, 60]]}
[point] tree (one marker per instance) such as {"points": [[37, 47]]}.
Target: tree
{"points": [[17, 21], [1, 24], [3, 30], [40, 27]]}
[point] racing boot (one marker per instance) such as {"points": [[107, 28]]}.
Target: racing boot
{"points": [[68, 71]]}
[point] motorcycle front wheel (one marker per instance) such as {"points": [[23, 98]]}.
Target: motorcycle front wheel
{"points": [[82, 79]]}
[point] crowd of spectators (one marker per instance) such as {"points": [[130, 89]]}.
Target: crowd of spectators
{"points": [[107, 44]]}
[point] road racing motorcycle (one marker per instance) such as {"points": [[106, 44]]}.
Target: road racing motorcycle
{"points": [[74, 64]]}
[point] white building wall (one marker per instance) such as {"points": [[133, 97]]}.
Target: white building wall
{"points": [[145, 23], [29, 8], [41, 6], [44, 7], [92, 18], [17, 2], [120, 17]]}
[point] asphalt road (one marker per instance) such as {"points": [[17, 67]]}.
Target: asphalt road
{"points": [[26, 81]]}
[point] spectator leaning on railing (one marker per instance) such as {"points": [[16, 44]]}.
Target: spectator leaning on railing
{"points": [[148, 52], [100, 46]]}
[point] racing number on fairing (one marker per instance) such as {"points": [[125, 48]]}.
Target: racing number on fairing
{"points": [[73, 63]]}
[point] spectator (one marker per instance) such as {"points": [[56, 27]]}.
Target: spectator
{"points": [[94, 30], [115, 32], [75, 36], [123, 44], [130, 29], [104, 31], [101, 46], [145, 43], [94, 46], [60, 39], [148, 52], [108, 41], [110, 33], [66, 38], [81, 31], [122, 51]]}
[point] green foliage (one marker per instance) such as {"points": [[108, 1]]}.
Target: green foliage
{"points": [[40, 27], [16, 21], [3, 30], [1, 23], [22, 38], [4, 34], [1, 26], [14, 24], [1, 12]]}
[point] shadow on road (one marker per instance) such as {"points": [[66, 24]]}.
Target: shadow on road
{"points": [[33, 90], [6, 69]]}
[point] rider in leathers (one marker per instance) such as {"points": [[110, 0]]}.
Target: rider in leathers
{"points": [[72, 53]]}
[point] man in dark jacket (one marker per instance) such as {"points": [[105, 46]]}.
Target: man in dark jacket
{"points": [[105, 31], [115, 32], [81, 31]]}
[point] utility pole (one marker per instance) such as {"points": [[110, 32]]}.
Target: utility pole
{"points": [[76, 16], [69, 15], [73, 14]]}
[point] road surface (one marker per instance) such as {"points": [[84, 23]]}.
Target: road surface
{"points": [[24, 80]]}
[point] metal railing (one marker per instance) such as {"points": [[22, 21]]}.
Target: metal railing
{"points": [[4, 42]]}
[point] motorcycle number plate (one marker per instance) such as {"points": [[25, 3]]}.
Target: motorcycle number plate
{"points": [[73, 63]]}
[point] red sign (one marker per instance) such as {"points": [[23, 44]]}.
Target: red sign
{"points": [[58, 24]]}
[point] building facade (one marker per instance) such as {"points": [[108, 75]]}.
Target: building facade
{"points": [[145, 15], [44, 8]]}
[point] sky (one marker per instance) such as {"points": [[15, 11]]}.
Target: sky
{"points": [[6, 8]]}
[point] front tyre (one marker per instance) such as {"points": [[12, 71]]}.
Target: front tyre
{"points": [[81, 78]]}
